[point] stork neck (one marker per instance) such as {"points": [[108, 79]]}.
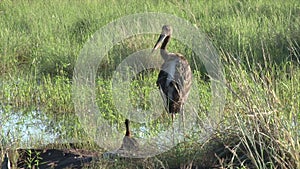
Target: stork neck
{"points": [[127, 130]]}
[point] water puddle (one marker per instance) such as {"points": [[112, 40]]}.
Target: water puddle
{"points": [[26, 130]]}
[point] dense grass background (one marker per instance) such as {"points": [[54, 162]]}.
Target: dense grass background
{"points": [[48, 36], [258, 42]]}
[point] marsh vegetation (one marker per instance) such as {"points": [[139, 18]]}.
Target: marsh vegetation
{"points": [[259, 45]]}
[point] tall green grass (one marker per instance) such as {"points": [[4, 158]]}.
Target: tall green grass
{"points": [[258, 41], [264, 114], [48, 36]]}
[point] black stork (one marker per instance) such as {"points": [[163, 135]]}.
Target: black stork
{"points": [[129, 143], [175, 76]]}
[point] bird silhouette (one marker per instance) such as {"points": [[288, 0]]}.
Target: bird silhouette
{"points": [[129, 143]]}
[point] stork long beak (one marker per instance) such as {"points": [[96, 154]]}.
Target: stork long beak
{"points": [[160, 40]]}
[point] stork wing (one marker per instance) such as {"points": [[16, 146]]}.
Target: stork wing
{"points": [[163, 87], [183, 77], [169, 91]]}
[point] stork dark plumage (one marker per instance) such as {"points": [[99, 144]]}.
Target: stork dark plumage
{"points": [[175, 77], [129, 143]]}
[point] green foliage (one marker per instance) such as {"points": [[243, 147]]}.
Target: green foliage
{"points": [[33, 159], [259, 44], [28, 92], [51, 39]]}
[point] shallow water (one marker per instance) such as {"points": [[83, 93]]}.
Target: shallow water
{"points": [[26, 130]]}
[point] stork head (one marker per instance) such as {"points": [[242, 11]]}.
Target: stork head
{"points": [[166, 31]]}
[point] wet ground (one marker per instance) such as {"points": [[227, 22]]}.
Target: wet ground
{"points": [[53, 158]]}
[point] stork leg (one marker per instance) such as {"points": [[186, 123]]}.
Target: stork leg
{"points": [[173, 115], [183, 122]]}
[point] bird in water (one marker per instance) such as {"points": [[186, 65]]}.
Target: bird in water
{"points": [[129, 143], [175, 76]]}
